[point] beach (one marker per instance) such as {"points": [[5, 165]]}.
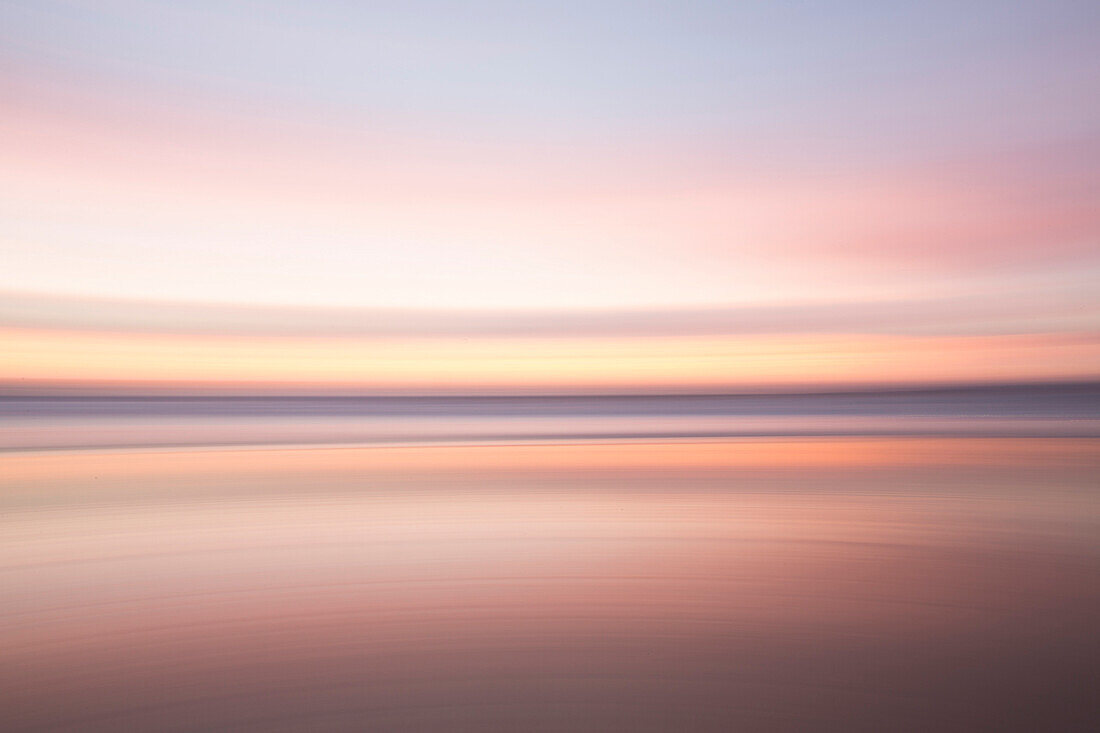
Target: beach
{"points": [[856, 583]]}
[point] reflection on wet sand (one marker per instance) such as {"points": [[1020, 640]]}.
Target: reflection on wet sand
{"points": [[775, 585]]}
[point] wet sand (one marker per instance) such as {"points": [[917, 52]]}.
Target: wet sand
{"points": [[761, 584]]}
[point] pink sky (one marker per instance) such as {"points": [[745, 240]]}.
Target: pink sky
{"points": [[167, 218]]}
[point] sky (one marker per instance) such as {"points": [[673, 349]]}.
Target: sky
{"points": [[548, 196]]}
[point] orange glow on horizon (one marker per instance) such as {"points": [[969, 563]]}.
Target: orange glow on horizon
{"points": [[539, 362]]}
